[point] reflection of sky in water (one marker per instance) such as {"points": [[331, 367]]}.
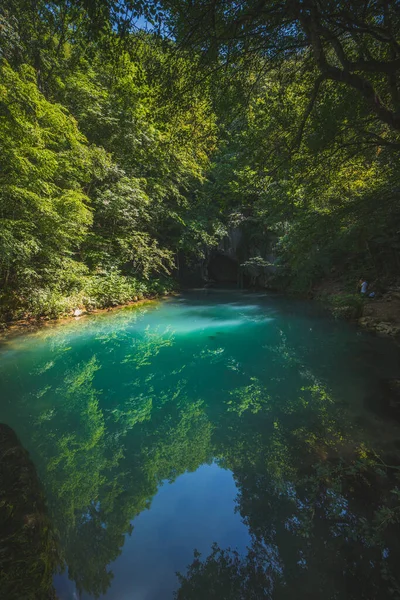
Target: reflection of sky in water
{"points": [[193, 512]]}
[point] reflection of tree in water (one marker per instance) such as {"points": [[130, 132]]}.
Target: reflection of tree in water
{"points": [[322, 509], [307, 543], [29, 551], [322, 513], [106, 457]]}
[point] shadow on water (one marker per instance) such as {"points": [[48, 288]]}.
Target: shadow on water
{"points": [[112, 408]]}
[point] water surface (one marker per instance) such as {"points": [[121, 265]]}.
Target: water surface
{"points": [[244, 427]]}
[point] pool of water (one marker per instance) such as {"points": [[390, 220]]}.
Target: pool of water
{"points": [[244, 441]]}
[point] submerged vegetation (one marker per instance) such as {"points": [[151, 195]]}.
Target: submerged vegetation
{"points": [[135, 135]]}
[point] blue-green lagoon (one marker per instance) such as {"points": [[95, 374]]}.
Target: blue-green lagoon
{"points": [[252, 429]]}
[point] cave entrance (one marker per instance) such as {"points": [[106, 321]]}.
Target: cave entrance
{"points": [[223, 269]]}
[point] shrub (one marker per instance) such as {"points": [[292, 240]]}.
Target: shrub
{"points": [[96, 291], [112, 289], [348, 306]]}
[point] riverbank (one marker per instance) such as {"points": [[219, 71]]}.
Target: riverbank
{"points": [[22, 326], [25, 312], [380, 314], [383, 314]]}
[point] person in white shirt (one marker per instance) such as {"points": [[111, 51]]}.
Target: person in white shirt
{"points": [[364, 287]]}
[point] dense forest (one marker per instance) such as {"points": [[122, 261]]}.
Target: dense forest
{"points": [[135, 135]]}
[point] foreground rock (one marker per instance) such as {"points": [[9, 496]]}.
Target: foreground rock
{"points": [[28, 548]]}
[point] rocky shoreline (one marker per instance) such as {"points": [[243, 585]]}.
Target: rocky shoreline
{"points": [[382, 315]]}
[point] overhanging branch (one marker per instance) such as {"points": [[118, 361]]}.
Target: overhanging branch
{"points": [[310, 106], [367, 90]]}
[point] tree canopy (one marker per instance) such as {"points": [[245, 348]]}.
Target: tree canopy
{"points": [[136, 134]]}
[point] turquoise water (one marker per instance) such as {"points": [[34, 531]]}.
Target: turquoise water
{"points": [[246, 427]]}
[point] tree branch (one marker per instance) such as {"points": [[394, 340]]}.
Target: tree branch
{"points": [[367, 91], [310, 106]]}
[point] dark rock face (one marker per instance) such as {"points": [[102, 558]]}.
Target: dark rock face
{"points": [[243, 258], [223, 269], [239, 259], [28, 547]]}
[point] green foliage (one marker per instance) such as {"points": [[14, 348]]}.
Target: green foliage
{"points": [[113, 289], [349, 306], [89, 293], [312, 194], [46, 162], [122, 150], [104, 156]]}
